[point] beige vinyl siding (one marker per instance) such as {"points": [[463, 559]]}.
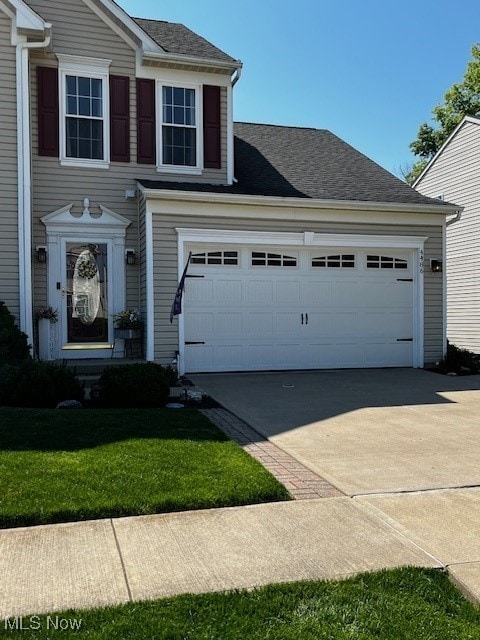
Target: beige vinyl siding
{"points": [[78, 31], [9, 276], [166, 271], [455, 175]]}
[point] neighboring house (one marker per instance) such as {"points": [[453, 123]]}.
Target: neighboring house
{"points": [[454, 175], [305, 254]]}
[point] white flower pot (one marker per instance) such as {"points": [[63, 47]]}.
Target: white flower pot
{"points": [[46, 339]]}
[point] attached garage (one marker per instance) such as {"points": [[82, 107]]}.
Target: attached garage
{"points": [[251, 307], [311, 257]]}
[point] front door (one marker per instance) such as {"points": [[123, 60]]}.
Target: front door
{"points": [[86, 315]]}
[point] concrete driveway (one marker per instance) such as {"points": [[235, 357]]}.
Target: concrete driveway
{"points": [[365, 431]]}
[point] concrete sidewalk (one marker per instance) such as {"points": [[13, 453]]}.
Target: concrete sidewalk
{"points": [[105, 562]]}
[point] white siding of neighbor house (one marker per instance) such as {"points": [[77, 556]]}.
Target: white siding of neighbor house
{"points": [[456, 175], [78, 31], [9, 277], [166, 270]]}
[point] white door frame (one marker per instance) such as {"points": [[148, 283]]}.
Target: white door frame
{"points": [[311, 239], [62, 227]]}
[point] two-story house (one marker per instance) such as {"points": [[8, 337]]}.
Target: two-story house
{"points": [[121, 159]]}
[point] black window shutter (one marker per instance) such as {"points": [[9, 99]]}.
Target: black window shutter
{"points": [[212, 158], [119, 119], [146, 132], [48, 111]]}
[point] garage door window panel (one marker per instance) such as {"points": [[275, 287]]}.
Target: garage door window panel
{"points": [[227, 258], [386, 262], [341, 261], [267, 259]]}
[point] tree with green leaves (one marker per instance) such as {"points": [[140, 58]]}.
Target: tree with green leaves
{"points": [[462, 99]]}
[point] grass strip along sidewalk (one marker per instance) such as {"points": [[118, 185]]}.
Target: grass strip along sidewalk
{"points": [[401, 604], [60, 466]]}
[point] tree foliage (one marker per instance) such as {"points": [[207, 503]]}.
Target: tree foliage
{"points": [[462, 99]]}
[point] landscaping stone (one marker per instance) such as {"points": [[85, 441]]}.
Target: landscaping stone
{"points": [[69, 404]]}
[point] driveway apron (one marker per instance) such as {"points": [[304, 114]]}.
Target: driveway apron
{"points": [[365, 431]]}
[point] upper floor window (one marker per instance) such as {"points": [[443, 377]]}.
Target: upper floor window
{"points": [[84, 130], [84, 111], [179, 144]]}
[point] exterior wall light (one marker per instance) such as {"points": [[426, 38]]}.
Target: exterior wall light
{"points": [[436, 266], [41, 252], [130, 257]]}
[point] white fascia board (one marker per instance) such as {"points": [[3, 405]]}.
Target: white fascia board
{"points": [[219, 65], [470, 119], [297, 203], [163, 74], [129, 23], [305, 239]]}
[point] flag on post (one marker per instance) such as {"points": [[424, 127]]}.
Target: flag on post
{"points": [[176, 309]]}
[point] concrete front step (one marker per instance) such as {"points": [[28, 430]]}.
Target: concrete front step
{"points": [[96, 367]]}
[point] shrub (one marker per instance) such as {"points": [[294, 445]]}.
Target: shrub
{"points": [[169, 375], [456, 360], [13, 342], [138, 385], [34, 383]]}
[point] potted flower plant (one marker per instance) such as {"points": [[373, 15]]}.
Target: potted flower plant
{"points": [[46, 317], [128, 325]]}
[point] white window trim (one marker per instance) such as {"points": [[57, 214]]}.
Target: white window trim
{"points": [[88, 68], [169, 168]]}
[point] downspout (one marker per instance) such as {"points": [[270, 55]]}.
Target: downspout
{"points": [[230, 136], [24, 176], [237, 76], [456, 218]]}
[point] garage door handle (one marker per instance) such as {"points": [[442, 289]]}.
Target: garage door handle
{"points": [[306, 318], [302, 318]]}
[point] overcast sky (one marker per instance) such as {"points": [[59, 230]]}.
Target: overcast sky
{"points": [[370, 71]]}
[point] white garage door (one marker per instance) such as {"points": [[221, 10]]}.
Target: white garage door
{"points": [[250, 309]]}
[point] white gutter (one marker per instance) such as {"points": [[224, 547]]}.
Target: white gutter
{"points": [[179, 58], [24, 172]]}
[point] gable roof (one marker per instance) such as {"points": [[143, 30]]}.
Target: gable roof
{"points": [[294, 162], [470, 119], [177, 39], [26, 17]]}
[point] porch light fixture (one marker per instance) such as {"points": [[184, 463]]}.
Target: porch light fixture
{"points": [[436, 266], [130, 257], [41, 252]]}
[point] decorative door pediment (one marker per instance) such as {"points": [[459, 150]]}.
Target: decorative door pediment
{"points": [[107, 222]]}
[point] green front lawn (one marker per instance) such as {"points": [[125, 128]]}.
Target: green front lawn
{"points": [[58, 466], [404, 604]]}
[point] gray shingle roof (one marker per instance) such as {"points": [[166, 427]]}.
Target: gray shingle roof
{"points": [[176, 38], [298, 162]]}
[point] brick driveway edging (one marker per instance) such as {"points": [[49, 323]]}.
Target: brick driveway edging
{"points": [[301, 483]]}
